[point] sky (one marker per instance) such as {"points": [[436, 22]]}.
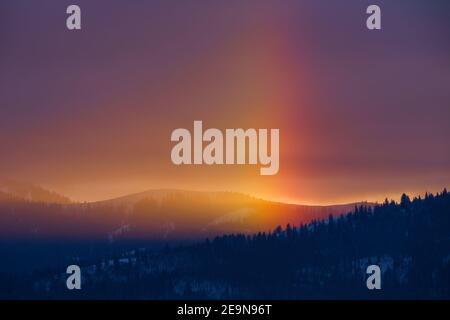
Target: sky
{"points": [[363, 115]]}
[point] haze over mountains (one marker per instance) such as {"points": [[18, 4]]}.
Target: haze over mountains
{"points": [[30, 211]]}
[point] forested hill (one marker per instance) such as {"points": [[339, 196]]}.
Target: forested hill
{"points": [[410, 241]]}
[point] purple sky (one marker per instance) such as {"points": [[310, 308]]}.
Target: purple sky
{"points": [[362, 114]]}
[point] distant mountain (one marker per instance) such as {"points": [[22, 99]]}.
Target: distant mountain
{"points": [[205, 213], [159, 215], [20, 191]]}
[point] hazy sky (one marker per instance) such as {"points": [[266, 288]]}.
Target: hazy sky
{"points": [[362, 114]]}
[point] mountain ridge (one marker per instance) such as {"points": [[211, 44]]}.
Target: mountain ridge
{"points": [[161, 214], [22, 191]]}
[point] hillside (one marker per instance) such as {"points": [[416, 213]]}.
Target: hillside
{"points": [[14, 191], [157, 215], [409, 241]]}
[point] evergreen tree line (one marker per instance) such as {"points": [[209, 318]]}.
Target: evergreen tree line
{"points": [[324, 259]]}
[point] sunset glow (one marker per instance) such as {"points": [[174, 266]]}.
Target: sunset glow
{"points": [[100, 106]]}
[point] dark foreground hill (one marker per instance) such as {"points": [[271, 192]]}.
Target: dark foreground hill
{"points": [[409, 241]]}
